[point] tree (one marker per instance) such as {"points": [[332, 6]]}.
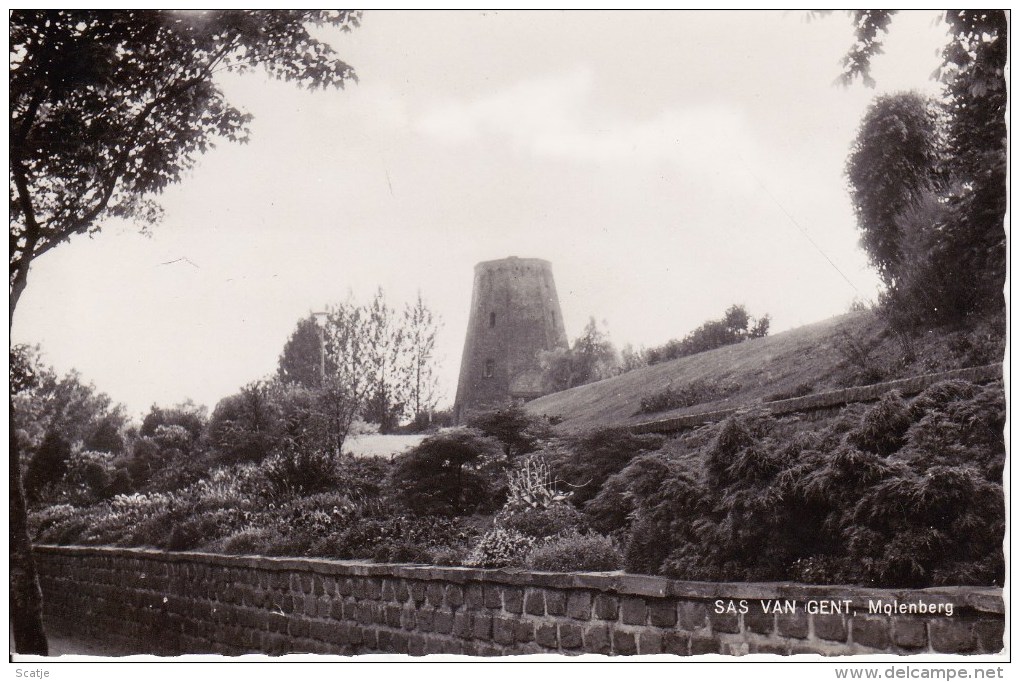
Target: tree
{"points": [[350, 383], [594, 356], [591, 358], [302, 360], [894, 160], [385, 346], [187, 415], [418, 367], [245, 427], [968, 245], [107, 108], [48, 464], [735, 326], [519, 431]]}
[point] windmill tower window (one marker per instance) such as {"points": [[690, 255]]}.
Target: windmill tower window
{"points": [[490, 368], [492, 319]]}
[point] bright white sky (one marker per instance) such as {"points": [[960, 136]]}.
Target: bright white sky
{"points": [[653, 158]]}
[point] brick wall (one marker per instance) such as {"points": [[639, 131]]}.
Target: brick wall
{"points": [[828, 401], [172, 603]]}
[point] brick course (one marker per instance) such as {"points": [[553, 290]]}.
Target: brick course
{"points": [[172, 603]]}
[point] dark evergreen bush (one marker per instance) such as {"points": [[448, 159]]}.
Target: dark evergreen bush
{"points": [[453, 472]]}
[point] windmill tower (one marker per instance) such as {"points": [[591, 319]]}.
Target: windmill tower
{"points": [[515, 313]]}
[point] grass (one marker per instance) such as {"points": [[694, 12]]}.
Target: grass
{"points": [[848, 350], [379, 445]]}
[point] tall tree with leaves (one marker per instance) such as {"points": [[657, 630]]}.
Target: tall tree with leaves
{"points": [[386, 345], [969, 241], [107, 108], [303, 361], [894, 160], [418, 366], [351, 380]]}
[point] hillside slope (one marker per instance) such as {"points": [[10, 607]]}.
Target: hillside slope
{"points": [[851, 349]]}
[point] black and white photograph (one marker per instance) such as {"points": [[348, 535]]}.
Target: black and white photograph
{"points": [[509, 336]]}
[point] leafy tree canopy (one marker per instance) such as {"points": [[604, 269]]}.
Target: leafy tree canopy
{"points": [[108, 107], [967, 244], [894, 160]]}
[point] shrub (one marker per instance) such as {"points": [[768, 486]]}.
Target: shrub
{"points": [[299, 473], [402, 552], [693, 393], [48, 464], [500, 548], [446, 555], [245, 541], [518, 430], [89, 476], [883, 427], [450, 473], [555, 519], [575, 552], [591, 458], [245, 427], [188, 416]]}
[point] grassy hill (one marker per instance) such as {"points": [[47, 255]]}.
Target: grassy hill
{"points": [[848, 350]]}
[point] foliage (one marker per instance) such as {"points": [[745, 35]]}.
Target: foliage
{"points": [[692, 393], [186, 415], [449, 473], [23, 368], [898, 494], [591, 458], [106, 436], [134, 92], [954, 242], [575, 552], [418, 367], [592, 357], [299, 472], [67, 405], [48, 465], [499, 548], [883, 427], [518, 430], [893, 162], [540, 523], [530, 485], [245, 427], [735, 326], [302, 361]]}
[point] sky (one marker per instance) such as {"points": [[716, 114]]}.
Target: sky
{"points": [[667, 164]]}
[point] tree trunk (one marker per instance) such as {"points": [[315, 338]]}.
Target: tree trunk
{"points": [[26, 595]]}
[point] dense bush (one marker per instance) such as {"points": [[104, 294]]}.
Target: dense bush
{"points": [[518, 430], [588, 460], [188, 416], [575, 552], [453, 472], [898, 494], [245, 427], [47, 466]]}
